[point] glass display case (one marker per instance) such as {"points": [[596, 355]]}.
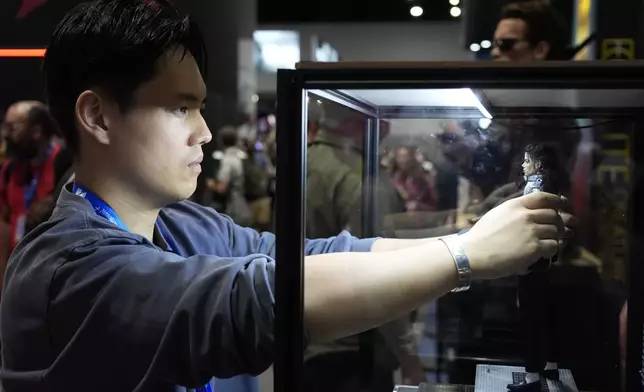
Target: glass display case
{"points": [[419, 150]]}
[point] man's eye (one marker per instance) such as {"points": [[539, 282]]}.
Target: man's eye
{"points": [[182, 111]]}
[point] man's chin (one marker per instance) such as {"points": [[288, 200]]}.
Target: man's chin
{"points": [[187, 192]]}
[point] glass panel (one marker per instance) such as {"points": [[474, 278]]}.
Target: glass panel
{"points": [[444, 158]]}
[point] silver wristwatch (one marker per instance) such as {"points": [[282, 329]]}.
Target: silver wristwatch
{"points": [[462, 263]]}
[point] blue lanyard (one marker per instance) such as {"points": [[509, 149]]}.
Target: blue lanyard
{"points": [[30, 190], [205, 388], [103, 209]]}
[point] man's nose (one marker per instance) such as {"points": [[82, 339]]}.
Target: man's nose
{"points": [[204, 136], [496, 53]]}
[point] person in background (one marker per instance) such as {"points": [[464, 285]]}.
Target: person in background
{"points": [[259, 174], [63, 173], [413, 182], [229, 179], [27, 176], [534, 31], [334, 203], [530, 30]]}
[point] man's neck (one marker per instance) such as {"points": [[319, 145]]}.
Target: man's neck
{"points": [[136, 213]]}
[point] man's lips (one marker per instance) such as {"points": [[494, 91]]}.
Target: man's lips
{"points": [[197, 161]]}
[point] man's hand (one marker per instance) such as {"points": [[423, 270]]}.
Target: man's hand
{"points": [[513, 236]]}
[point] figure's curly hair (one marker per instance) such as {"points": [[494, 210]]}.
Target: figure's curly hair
{"points": [[548, 164]]}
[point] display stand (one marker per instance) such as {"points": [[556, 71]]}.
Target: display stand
{"points": [[434, 388], [494, 378]]}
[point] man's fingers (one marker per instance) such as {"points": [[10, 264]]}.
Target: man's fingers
{"points": [[548, 232], [569, 220], [543, 200], [548, 248]]}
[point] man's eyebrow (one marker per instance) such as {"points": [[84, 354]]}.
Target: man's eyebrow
{"points": [[192, 98]]}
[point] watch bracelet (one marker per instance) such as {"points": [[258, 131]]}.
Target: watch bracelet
{"points": [[461, 261]]}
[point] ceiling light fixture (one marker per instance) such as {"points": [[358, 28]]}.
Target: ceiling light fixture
{"points": [[416, 11], [455, 12]]}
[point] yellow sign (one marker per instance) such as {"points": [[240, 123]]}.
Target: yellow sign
{"points": [[583, 26], [618, 49]]}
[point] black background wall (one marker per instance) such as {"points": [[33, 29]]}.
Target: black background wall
{"points": [[20, 77]]}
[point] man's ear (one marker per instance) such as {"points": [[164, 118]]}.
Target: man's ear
{"points": [[541, 50], [92, 115]]}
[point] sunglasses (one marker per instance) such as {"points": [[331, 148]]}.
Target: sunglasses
{"points": [[506, 44]]}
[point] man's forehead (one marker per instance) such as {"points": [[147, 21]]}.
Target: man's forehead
{"points": [[178, 74], [16, 112], [511, 28]]}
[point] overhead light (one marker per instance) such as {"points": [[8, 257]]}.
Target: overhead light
{"points": [[455, 12], [484, 123], [455, 98], [486, 44], [473, 100], [255, 98], [454, 2], [475, 47], [416, 11]]}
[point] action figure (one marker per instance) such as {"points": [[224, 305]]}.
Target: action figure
{"points": [[542, 173]]}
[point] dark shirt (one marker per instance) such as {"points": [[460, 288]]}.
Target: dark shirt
{"points": [[90, 306]]}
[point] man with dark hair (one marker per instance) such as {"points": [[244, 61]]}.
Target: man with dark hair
{"points": [[530, 30], [129, 287], [28, 175]]}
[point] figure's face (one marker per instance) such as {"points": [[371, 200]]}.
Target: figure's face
{"points": [[510, 43], [156, 146], [529, 166]]}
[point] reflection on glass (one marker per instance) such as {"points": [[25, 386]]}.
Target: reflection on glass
{"points": [[444, 158]]}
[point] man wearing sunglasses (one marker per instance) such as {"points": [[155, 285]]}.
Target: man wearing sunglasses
{"points": [[529, 30]]}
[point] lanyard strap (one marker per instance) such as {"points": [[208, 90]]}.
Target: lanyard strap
{"points": [[103, 209], [100, 207], [30, 190], [205, 388]]}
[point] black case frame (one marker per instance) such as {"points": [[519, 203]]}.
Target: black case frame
{"points": [[291, 170]]}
